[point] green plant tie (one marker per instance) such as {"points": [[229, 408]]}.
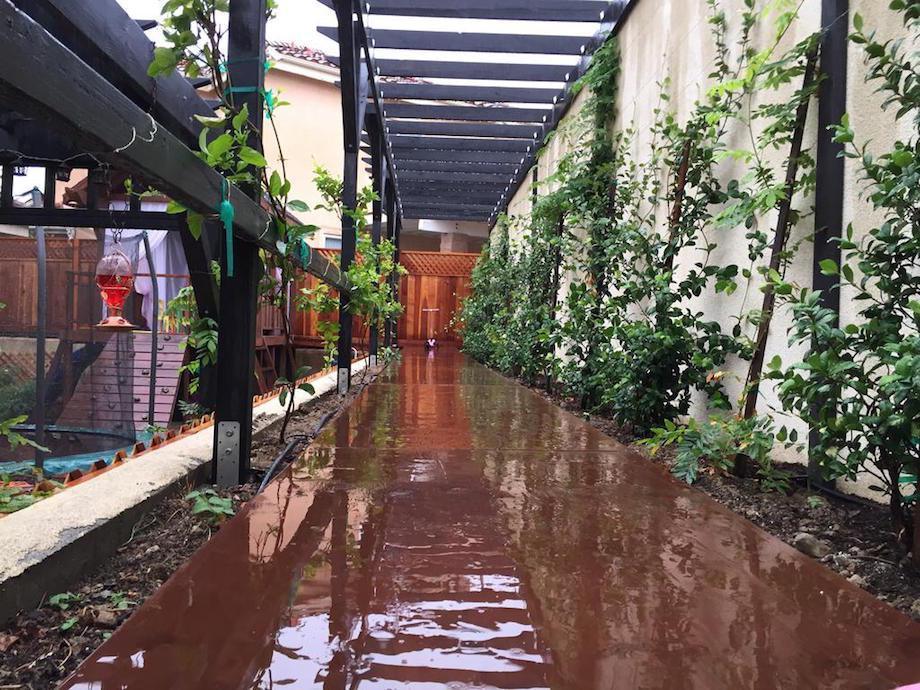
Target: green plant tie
{"points": [[226, 212], [269, 102]]}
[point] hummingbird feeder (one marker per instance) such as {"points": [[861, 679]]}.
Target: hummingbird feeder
{"points": [[115, 279]]}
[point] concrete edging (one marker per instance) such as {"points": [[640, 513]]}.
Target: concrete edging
{"points": [[46, 547]]}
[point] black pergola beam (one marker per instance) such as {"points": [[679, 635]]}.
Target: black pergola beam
{"points": [[97, 117], [453, 176], [401, 142], [473, 70], [85, 218], [402, 39], [103, 35], [465, 112], [449, 205], [484, 93], [534, 10], [830, 171], [239, 288], [457, 167], [467, 156], [458, 185], [414, 197], [464, 129], [441, 214], [353, 113]]}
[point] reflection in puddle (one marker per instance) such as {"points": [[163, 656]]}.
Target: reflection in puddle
{"points": [[453, 530]]}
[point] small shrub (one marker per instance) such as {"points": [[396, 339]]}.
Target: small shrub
{"points": [[716, 442], [210, 505]]}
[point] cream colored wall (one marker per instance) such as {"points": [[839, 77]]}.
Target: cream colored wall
{"points": [[310, 130], [671, 40]]}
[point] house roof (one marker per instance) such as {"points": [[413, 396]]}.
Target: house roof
{"points": [[301, 52]]}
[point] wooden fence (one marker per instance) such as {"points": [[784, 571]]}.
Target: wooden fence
{"points": [[432, 292]]}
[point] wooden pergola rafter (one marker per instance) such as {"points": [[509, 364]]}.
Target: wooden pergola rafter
{"points": [[450, 135]]}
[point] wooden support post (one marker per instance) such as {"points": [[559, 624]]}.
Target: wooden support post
{"points": [[390, 199], [6, 186], [38, 414], [239, 293], [829, 167], [397, 281], [349, 72], [752, 382], [379, 176]]}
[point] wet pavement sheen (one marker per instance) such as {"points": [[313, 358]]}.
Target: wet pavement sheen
{"points": [[453, 529]]}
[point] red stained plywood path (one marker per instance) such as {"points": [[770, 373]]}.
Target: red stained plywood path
{"points": [[452, 529]]}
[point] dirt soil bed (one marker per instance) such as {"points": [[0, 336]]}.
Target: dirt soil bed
{"points": [[852, 537], [40, 648]]}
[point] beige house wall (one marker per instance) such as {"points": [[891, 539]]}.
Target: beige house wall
{"points": [[310, 129], [670, 40]]}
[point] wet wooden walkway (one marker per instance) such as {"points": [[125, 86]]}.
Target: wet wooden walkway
{"points": [[452, 529]]}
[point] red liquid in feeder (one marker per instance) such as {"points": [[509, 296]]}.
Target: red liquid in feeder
{"points": [[114, 289]]}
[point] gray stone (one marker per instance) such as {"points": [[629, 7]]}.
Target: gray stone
{"points": [[843, 562], [858, 580], [810, 544], [915, 609]]}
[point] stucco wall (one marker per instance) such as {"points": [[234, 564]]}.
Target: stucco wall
{"points": [[670, 40], [311, 131]]}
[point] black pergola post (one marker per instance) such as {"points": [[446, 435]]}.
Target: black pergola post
{"points": [[379, 176], [350, 74], [395, 277], [830, 165], [390, 199], [239, 293]]}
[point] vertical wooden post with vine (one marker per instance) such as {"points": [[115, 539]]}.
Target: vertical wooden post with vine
{"points": [[780, 238], [241, 267], [350, 78], [379, 175]]}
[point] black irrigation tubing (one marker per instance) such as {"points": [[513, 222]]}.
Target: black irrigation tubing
{"points": [[299, 438], [821, 489], [283, 455]]}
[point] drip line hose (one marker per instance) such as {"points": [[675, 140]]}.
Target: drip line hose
{"points": [[283, 455], [300, 438], [821, 489]]}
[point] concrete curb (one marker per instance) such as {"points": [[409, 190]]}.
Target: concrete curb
{"points": [[47, 546]]}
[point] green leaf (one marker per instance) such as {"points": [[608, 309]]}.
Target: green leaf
{"points": [[252, 157], [240, 118], [175, 207], [220, 146], [211, 122], [274, 183], [828, 267], [298, 205], [195, 223]]}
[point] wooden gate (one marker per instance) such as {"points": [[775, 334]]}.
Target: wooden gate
{"points": [[432, 293]]}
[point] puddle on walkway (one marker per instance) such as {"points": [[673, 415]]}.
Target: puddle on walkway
{"points": [[453, 530]]}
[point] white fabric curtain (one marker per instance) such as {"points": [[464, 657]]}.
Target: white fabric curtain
{"points": [[168, 260]]}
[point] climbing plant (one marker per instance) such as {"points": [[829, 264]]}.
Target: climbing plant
{"points": [[371, 297], [632, 220], [859, 386], [193, 32]]}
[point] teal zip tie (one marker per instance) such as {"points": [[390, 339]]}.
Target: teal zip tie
{"points": [[226, 213], [269, 102], [242, 89]]}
